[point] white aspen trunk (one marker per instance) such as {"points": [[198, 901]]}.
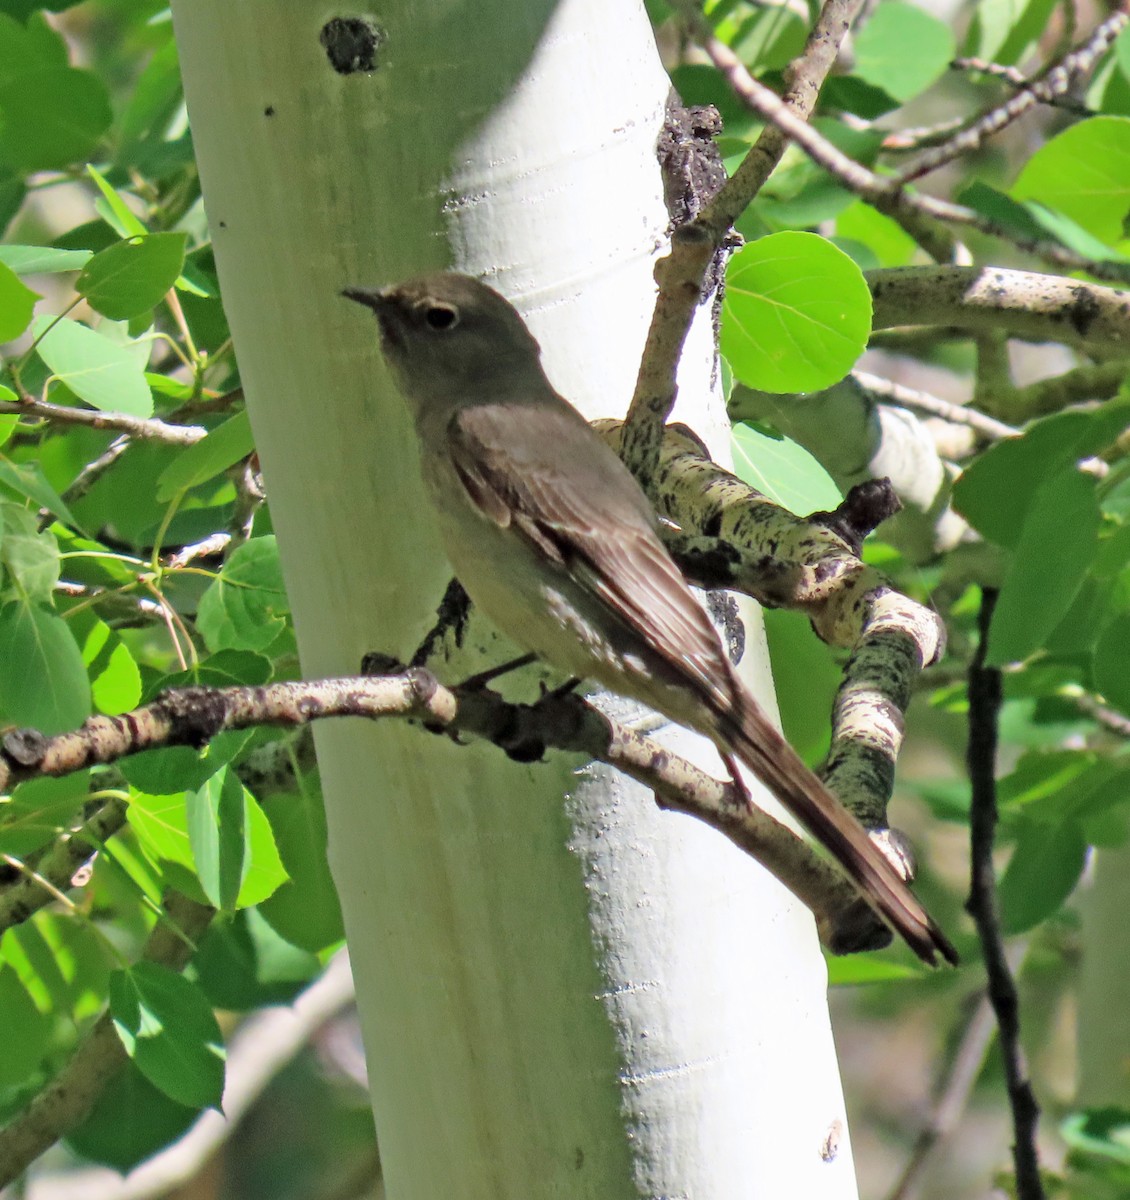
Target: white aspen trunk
{"points": [[1103, 1020], [560, 998]]}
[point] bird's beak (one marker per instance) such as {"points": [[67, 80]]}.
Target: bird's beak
{"points": [[375, 299], [383, 302]]}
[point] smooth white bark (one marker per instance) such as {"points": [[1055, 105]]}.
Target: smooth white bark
{"points": [[578, 999], [1104, 1016]]}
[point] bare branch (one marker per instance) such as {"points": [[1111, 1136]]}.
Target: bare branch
{"points": [[966, 1066], [888, 392], [144, 428], [559, 721], [1051, 84], [730, 536], [984, 712]]}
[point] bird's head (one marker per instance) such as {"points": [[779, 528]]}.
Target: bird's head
{"points": [[446, 331]]}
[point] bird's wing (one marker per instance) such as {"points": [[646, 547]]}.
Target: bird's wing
{"points": [[596, 524], [572, 498]]}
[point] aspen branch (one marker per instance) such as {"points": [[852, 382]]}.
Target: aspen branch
{"points": [[1023, 304], [191, 716], [731, 536], [681, 273]]}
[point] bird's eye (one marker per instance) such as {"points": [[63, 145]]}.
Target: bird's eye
{"points": [[441, 316]]}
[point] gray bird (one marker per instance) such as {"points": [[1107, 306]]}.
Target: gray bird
{"points": [[555, 541]]}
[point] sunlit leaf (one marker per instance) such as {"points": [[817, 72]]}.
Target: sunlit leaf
{"points": [[796, 313]]}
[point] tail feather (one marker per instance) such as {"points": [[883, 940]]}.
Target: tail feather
{"points": [[750, 736]]}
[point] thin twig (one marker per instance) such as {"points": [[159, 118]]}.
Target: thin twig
{"points": [[1052, 83], [96, 468], [145, 428], [966, 1066], [888, 392], [984, 712], [56, 868], [1114, 722]]}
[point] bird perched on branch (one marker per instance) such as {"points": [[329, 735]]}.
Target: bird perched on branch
{"points": [[555, 541]]}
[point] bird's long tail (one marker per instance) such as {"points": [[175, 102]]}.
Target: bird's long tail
{"points": [[765, 752]]}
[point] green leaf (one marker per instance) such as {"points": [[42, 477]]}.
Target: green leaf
{"points": [[154, 100], [855, 96], [133, 276], [807, 681], [1101, 1132], [796, 314], [1044, 868], [1111, 664], [51, 118], [243, 963], [130, 1122], [179, 768], [783, 470], [115, 681], [304, 910], [765, 39], [161, 827], [175, 389], [226, 444], [994, 492], [30, 556], [264, 872], [245, 607], [1004, 31], [105, 375], [16, 304], [1056, 549], [232, 844], [27, 1032], [1004, 210], [1070, 234], [858, 970], [39, 810], [24, 49], [216, 832], [27, 481], [1084, 172], [43, 681], [21, 10], [42, 260], [64, 964], [170, 1032], [902, 49], [887, 239], [117, 214]]}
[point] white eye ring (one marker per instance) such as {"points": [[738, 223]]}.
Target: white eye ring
{"points": [[440, 316]]}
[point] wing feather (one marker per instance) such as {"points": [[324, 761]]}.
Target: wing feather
{"points": [[589, 516]]}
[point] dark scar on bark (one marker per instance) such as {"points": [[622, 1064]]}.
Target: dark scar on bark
{"points": [[351, 44]]}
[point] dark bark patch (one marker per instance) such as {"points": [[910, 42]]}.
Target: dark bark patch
{"points": [[351, 44]]}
